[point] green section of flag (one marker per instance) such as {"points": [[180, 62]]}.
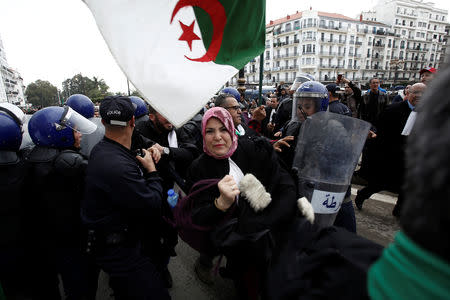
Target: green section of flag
{"points": [[244, 34]]}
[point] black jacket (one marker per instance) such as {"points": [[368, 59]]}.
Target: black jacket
{"points": [[370, 110], [284, 114], [181, 156], [339, 108], [55, 184], [390, 145], [118, 192], [12, 206]]}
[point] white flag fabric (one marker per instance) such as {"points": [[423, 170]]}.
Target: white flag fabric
{"points": [[154, 42]]}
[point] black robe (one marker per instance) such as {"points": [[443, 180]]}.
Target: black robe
{"points": [[255, 156]]}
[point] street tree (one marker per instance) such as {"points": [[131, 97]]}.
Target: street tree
{"points": [[42, 93], [96, 89]]}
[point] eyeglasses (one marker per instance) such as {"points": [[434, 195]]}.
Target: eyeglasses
{"points": [[237, 107]]}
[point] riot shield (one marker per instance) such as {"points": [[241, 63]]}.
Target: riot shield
{"points": [[88, 141], [327, 152]]}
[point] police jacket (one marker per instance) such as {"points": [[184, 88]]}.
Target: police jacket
{"points": [[118, 193], [12, 179], [54, 190]]}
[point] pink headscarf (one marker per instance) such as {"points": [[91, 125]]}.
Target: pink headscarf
{"points": [[224, 116]]}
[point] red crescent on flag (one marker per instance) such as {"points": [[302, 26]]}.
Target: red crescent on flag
{"points": [[216, 12]]}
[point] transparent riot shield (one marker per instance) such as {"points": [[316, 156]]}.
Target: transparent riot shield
{"points": [[327, 152], [88, 141]]}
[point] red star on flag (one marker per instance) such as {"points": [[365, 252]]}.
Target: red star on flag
{"points": [[188, 34]]}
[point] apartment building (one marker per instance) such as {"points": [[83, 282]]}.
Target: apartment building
{"points": [[326, 44], [11, 82]]}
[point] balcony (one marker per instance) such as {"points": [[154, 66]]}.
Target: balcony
{"points": [[342, 41], [358, 43], [334, 41], [309, 52], [378, 45], [377, 57], [341, 54], [307, 39], [327, 53]]}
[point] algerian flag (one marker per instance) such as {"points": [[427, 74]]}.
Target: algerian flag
{"points": [[178, 53]]}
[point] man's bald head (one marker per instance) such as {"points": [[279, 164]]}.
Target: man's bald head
{"points": [[415, 93]]}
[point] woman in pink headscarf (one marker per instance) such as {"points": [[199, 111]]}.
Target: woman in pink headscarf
{"points": [[228, 158]]}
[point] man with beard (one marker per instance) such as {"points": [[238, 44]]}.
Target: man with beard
{"points": [[176, 156]]}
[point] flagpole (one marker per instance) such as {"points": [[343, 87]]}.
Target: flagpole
{"points": [[261, 66], [128, 85]]}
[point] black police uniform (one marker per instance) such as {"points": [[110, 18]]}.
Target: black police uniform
{"points": [[55, 185], [119, 198], [12, 264]]}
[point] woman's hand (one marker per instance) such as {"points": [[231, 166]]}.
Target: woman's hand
{"points": [[228, 191]]}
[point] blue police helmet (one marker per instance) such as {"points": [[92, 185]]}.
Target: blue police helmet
{"points": [[232, 91], [141, 106], [10, 133], [82, 105], [316, 91], [53, 126]]}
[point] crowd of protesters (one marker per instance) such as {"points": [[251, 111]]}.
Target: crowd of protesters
{"points": [[73, 205]]}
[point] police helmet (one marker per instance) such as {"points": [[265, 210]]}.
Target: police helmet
{"points": [[315, 91], [53, 126], [11, 120], [301, 78], [232, 91], [141, 106], [82, 105]]}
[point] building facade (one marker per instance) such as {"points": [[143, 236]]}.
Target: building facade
{"points": [[375, 44], [11, 82]]}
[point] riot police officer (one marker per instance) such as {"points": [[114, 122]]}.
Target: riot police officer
{"points": [[310, 97], [84, 106], [123, 193], [141, 112], [12, 178], [55, 184]]}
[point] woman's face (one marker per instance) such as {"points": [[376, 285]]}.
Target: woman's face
{"points": [[217, 138]]}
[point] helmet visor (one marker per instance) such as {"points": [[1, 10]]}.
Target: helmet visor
{"points": [[310, 95], [74, 120]]}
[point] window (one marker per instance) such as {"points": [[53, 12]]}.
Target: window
{"points": [[403, 22], [435, 27], [295, 50], [322, 36], [296, 25], [287, 51], [411, 24], [288, 27], [417, 34]]}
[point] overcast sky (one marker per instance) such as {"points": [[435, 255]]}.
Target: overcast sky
{"points": [[56, 39]]}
